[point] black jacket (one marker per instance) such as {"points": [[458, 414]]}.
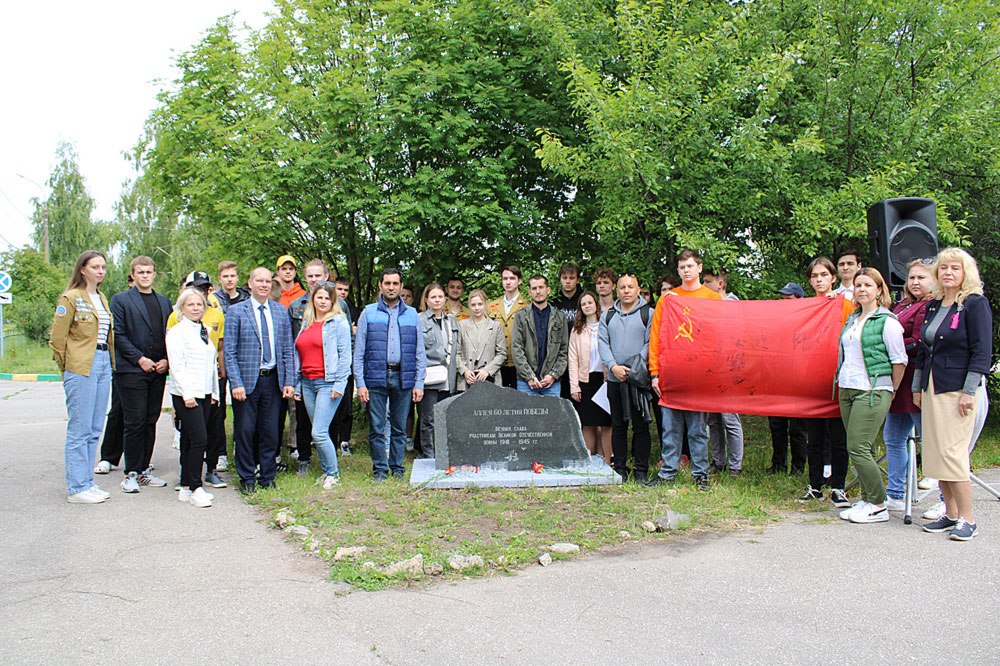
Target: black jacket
{"points": [[134, 335], [955, 351]]}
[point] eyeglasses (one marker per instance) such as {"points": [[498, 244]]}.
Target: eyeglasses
{"points": [[926, 261]]}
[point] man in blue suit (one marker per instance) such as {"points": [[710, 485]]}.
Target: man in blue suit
{"points": [[257, 350], [140, 321]]}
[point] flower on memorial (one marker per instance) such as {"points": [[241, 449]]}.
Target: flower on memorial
{"points": [[450, 470], [537, 467]]}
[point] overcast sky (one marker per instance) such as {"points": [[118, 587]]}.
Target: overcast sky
{"points": [[87, 73]]}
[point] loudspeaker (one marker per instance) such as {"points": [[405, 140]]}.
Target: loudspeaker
{"points": [[900, 230]]}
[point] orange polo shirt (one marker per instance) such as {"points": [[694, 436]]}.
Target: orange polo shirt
{"points": [[654, 329]]}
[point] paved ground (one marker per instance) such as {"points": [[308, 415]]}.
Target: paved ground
{"points": [[147, 580]]}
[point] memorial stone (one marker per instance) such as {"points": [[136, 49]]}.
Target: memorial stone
{"points": [[492, 424]]}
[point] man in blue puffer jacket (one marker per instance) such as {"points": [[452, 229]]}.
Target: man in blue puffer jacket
{"points": [[389, 369]]}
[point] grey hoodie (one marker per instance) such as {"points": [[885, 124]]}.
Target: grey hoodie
{"points": [[624, 337]]}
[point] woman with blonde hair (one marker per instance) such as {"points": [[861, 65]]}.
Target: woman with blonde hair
{"points": [[81, 339], [482, 347], [953, 357], [871, 361], [194, 388], [322, 365]]}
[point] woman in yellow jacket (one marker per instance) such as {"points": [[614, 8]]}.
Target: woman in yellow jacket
{"points": [[81, 341]]}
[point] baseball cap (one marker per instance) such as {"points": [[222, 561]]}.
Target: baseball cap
{"points": [[792, 289], [284, 259], [197, 279]]}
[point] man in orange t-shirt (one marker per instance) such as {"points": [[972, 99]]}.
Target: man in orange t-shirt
{"points": [[689, 267], [287, 280]]}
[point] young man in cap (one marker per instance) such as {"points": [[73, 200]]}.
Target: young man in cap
{"points": [[785, 431], [287, 280]]}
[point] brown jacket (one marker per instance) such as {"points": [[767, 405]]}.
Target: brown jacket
{"points": [[495, 311], [74, 332]]}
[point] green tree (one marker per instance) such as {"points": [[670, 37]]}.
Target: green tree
{"points": [[760, 132], [64, 219], [35, 288], [373, 134]]}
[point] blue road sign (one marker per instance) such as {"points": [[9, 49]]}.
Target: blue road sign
{"points": [[5, 282]]}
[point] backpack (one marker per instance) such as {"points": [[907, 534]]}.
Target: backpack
{"points": [[643, 314]]}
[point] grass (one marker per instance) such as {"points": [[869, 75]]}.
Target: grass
{"points": [[24, 356], [510, 528]]}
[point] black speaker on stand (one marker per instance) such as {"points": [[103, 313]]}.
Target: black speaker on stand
{"points": [[900, 230]]}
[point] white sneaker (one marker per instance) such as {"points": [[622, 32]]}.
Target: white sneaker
{"points": [[869, 513], [183, 494], [103, 467], [200, 498], [222, 465], [894, 504], [85, 497], [100, 492], [846, 513], [935, 511], [329, 482], [927, 483]]}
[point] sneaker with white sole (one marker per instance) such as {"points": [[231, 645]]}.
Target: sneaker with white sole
{"points": [[97, 490], [147, 479], [846, 513], [88, 496], [200, 498], [839, 498], [869, 513], [934, 512], [330, 481], [214, 480], [942, 524], [345, 448], [130, 484], [103, 467], [183, 494], [963, 531], [927, 483], [222, 465], [894, 504]]}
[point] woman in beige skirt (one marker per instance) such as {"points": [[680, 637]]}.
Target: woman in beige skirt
{"points": [[954, 354]]}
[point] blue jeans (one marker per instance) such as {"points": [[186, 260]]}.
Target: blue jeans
{"points": [[86, 403], [523, 387], [673, 439], [897, 429], [392, 402], [321, 407]]}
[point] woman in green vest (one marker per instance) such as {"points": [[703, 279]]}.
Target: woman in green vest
{"points": [[871, 363]]}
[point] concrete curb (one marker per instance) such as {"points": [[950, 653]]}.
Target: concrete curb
{"points": [[29, 378]]}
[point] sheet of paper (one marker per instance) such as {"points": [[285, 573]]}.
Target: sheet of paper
{"points": [[601, 398]]}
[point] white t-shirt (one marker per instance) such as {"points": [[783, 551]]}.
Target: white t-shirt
{"points": [[852, 371]]}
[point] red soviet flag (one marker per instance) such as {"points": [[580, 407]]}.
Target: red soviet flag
{"points": [[773, 358]]}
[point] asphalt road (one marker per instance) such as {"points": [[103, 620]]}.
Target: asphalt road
{"points": [[147, 580]]}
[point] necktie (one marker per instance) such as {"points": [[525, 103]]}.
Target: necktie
{"points": [[204, 334], [265, 337]]}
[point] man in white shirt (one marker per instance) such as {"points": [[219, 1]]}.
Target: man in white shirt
{"points": [[848, 265]]}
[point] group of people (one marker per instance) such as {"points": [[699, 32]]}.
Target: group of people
{"points": [[276, 343]]}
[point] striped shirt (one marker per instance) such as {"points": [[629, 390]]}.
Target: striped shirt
{"points": [[103, 321]]}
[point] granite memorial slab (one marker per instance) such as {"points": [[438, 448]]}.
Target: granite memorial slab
{"points": [[491, 436], [492, 424]]}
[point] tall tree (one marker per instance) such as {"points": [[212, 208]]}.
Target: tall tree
{"points": [[64, 219], [373, 134], [760, 132]]}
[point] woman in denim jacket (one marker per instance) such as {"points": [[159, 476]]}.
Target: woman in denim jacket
{"points": [[322, 365]]}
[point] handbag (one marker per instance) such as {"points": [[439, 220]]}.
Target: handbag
{"points": [[436, 374]]}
